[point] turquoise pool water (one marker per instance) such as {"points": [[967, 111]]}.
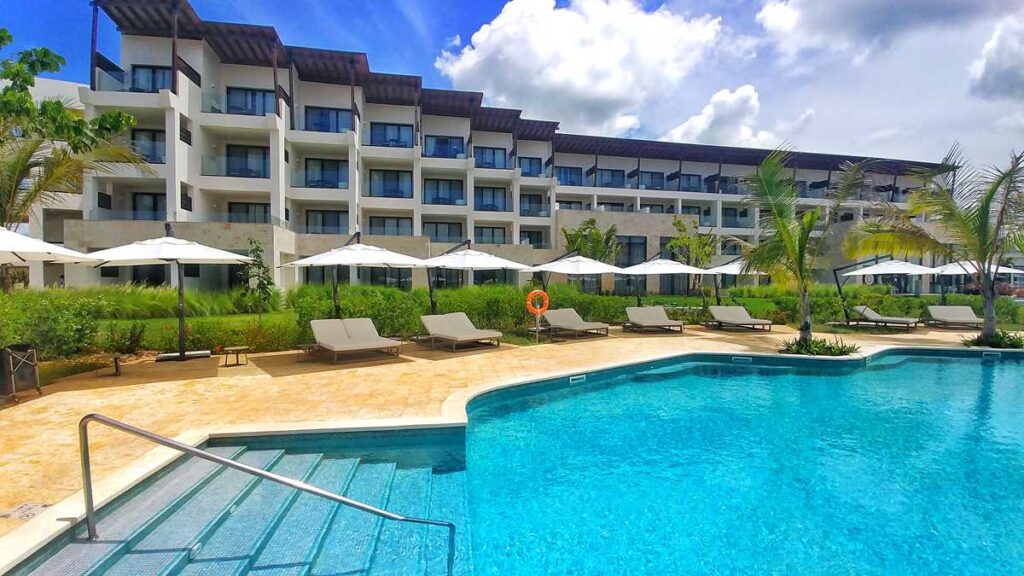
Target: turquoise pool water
{"points": [[908, 466]]}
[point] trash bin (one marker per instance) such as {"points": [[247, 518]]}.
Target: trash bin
{"points": [[20, 370]]}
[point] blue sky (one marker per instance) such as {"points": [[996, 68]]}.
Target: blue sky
{"points": [[901, 79]]}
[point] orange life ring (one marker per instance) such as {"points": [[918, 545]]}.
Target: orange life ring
{"points": [[544, 302]]}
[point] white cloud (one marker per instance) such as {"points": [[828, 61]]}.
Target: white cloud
{"points": [[453, 41], [999, 70], [593, 65], [861, 27], [1013, 122], [880, 136], [729, 118]]}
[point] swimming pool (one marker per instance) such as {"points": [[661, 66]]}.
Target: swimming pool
{"points": [[905, 464]]}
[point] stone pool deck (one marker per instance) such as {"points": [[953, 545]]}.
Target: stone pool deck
{"points": [[39, 440]]}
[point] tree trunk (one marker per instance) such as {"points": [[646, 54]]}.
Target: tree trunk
{"points": [[5, 279], [805, 315], [988, 295]]}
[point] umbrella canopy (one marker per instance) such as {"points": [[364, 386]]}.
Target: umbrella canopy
{"points": [[469, 259], [892, 267], [169, 250], [17, 248], [968, 268], [661, 266], [166, 250], [732, 269], [577, 265], [360, 255]]}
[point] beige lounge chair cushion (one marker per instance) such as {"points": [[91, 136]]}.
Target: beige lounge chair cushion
{"points": [[329, 332], [736, 315], [569, 319], [873, 316], [652, 316], [333, 335], [954, 315], [463, 326]]}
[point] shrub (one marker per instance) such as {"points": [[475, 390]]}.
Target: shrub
{"points": [[206, 334], [1002, 339], [394, 312], [127, 341], [819, 347], [496, 306], [61, 330]]}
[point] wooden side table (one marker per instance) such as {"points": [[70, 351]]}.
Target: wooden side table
{"points": [[238, 351]]}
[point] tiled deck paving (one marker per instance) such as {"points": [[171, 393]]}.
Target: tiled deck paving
{"points": [[38, 438]]}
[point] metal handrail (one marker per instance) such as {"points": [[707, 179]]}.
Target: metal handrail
{"points": [[90, 512]]}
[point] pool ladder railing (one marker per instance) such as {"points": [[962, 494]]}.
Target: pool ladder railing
{"points": [[90, 512]]}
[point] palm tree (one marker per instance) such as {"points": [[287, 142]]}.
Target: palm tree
{"points": [[964, 215], [588, 240], [789, 246]]}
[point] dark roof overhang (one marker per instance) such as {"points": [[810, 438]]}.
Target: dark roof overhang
{"points": [[543, 130], [450, 102], [329, 66], [496, 119], [392, 89]]}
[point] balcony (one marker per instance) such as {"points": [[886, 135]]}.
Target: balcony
{"points": [[341, 229], [444, 200], [443, 147], [234, 167], [534, 211], [302, 179], [732, 222], [129, 215], [447, 239], [153, 152], [491, 206]]}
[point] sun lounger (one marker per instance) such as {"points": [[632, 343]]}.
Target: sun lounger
{"points": [[567, 320], [865, 315], [351, 335], [954, 317], [735, 317], [647, 317], [457, 328]]}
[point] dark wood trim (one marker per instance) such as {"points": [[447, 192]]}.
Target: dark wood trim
{"points": [[175, 5], [277, 87], [92, 50], [291, 94], [189, 72]]}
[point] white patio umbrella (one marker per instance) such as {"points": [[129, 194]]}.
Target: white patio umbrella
{"points": [[467, 259], [169, 250], [577, 266], [733, 269], [659, 266], [968, 268], [892, 268], [356, 254], [17, 248]]}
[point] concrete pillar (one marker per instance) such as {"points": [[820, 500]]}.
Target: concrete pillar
{"points": [[278, 169], [515, 211], [355, 186], [417, 193], [176, 164]]}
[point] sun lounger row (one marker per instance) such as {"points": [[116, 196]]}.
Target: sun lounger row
{"points": [[456, 328], [351, 335], [941, 316]]}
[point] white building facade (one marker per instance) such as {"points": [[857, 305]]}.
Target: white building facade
{"points": [[300, 148]]}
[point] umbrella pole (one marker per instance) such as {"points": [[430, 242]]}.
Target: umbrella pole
{"points": [[181, 310], [639, 301], [718, 297], [430, 291], [334, 291]]}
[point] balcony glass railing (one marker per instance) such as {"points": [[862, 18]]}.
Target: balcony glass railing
{"points": [[320, 228], [447, 239], [443, 147], [728, 222], [233, 166], [389, 192], [153, 152], [534, 211], [142, 215], [444, 200], [488, 205], [311, 180]]}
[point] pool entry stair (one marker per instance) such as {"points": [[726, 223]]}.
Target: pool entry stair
{"points": [[204, 518]]}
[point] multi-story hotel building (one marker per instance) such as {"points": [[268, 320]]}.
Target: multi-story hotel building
{"points": [[301, 147]]}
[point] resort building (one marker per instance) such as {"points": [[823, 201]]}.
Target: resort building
{"points": [[301, 147]]}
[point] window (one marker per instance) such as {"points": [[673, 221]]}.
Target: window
{"points": [[611, 207], [326, 222], [320, 119], [390, 184], [653, 208], [323, 173], [391, 135], [400, 278], [151, 78], [443, 231], [186, 202], [248, 161], [190, 270], [531, 166], [251, 101], [390, 226], [150, 144], [494, 277], [248, 213], [444, 192], [610, 178], [569, 175], [489, 235], [532, 205], [801, 188], [570, 205], [490, 157], [490, 199], [690, 182], [444, 147], [444, 278], [104, 200], [110, 272], [533, 238], [149, 206], [652, 180], [672, 283], [633, 250]]}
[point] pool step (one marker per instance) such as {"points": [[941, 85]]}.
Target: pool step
{"points": [[130, 520], [358, 530], [400, 548], [232, 547], [448, 502], [166, 549]]}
